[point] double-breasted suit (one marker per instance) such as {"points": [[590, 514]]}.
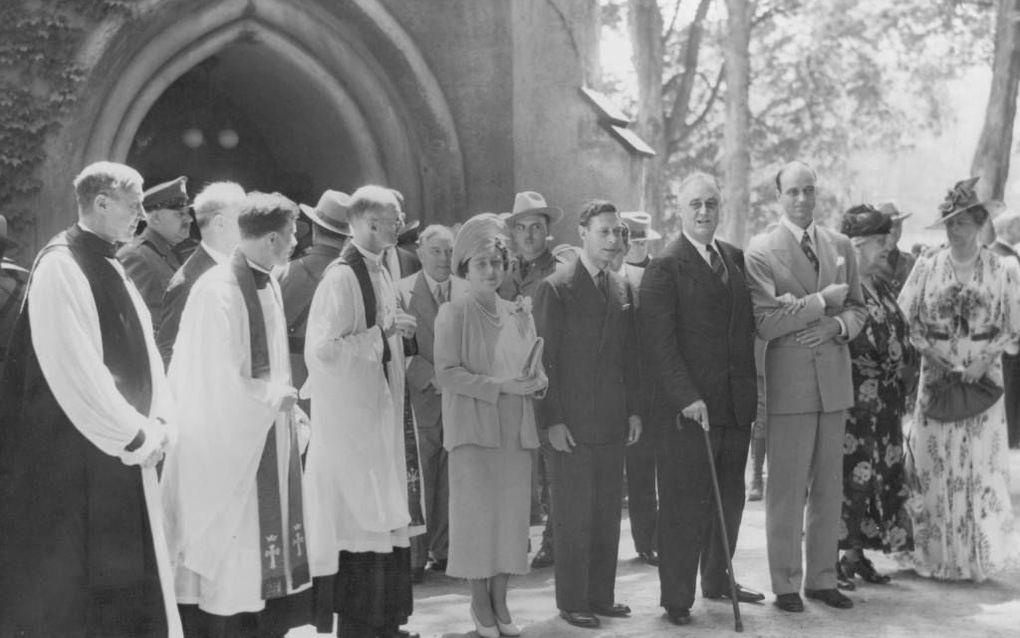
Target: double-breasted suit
{"points": [[590, 357], [698, 329], [418, 300], [807, 391]]}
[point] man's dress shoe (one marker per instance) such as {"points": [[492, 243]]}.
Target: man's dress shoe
{"points": [[831, 597], [744, 595], [790, 602], [544, 558], [678, 615], [581, 619], [650, 557], [437, 565], [613, 611]]}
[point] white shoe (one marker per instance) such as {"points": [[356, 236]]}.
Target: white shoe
{"points": [[507, 629], [491, 631]]}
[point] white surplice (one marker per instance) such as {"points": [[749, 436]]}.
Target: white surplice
{"points": [[224, 416], [68, 343], [356, 473]]}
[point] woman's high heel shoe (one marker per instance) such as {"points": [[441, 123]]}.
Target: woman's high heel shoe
{"points": [[492, 631], [507, 629]]}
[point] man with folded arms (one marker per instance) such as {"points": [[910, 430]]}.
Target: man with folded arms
{"points": [[696, 315], [807, 305]]}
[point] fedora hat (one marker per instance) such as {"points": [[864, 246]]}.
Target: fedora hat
{"points": [[962, 198], [331, 212], [640, 225], [531, 203]]}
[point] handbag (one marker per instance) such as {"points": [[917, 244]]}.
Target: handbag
{"points": [[951, 399]]}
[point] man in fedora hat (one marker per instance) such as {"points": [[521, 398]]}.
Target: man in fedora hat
{"points": [[529, 223], [899, 263], [299, 278], [216, 211], [13, 279], [149, 258]]}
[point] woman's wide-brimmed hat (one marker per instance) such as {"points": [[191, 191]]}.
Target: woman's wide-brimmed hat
{"points": [[962, 198], [864, 220], [476, 235], [331, 212]]}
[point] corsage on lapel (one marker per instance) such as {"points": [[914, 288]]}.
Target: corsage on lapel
{"points": [[520, 312]]}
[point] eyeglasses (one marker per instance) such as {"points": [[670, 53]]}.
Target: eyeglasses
{"points": [[392, 223]]}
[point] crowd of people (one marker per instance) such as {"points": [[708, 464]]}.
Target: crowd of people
{"points": [[220, 437]]}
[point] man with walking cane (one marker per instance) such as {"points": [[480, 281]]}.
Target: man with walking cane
{"points": [[696, 310]]}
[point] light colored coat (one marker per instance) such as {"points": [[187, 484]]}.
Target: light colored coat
{"points": [[802, 379]]}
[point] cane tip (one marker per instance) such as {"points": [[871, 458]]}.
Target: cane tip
{"points": [[739, 626]]}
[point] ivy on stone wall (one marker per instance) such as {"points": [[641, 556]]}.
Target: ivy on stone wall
{"points": [[40, 82]]}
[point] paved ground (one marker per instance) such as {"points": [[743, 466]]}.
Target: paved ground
{"points": [[909, 606]]}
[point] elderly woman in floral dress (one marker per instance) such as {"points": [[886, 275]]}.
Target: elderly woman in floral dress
{"points": [[962, 303], [874, 491]]}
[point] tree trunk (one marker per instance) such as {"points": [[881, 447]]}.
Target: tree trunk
{"points": [[991, 160], [736, 193], [644, 20]]}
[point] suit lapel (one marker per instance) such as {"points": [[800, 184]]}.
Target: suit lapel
{"points": [[696, 267], [793, 257], [826, 259], [614, 305], [422, 300]]}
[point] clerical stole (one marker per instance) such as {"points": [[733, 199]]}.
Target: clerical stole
{"points": [[415, 491], [76, 547], [273, 539]]}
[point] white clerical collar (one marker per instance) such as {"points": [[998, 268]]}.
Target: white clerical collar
{"points": [[702, 248], [592, 269], [216, 255], [375, 258], [255, 266], [798, 232]]}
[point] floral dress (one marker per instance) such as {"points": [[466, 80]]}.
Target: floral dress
{"points": [[874, 489], [958, 471]]}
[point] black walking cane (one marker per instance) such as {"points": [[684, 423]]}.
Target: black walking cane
{"points": [[738, 625]]}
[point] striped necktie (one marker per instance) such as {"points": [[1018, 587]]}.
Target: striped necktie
{"points": [[805, 245]]}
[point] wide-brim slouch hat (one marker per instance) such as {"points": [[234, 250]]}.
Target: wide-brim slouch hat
{"points": [[532, 203], [478, 234]]}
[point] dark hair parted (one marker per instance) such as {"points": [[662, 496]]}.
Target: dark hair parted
{"points": [[499, 244], [265, 213], [594, 208]]}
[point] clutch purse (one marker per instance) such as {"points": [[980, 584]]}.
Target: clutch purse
{"points": [[950, 399]]}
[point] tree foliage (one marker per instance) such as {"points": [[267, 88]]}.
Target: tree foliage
{"points": [[40, 81], [828, 79]]}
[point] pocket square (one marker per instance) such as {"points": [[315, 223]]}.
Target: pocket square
{"points": [[840, 261]]}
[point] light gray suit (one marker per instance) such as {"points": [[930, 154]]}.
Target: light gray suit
{"points": [[807, 391], [418, 300]]}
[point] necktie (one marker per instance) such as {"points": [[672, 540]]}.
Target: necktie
{"points": [[716, 263], [602, 280], [440, 294], [805, 245]]}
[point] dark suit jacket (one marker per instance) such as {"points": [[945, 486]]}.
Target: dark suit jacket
{"points": [[590, 355], [150, 262], [699, 335], [176, 295]]}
